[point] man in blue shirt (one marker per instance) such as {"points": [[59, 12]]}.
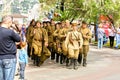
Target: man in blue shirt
{"points": [[7, 49]]}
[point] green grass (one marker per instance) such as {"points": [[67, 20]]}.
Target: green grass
{"points": [[105, 45]]}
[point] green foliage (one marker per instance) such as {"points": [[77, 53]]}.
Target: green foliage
{"points": [[88, 10]]}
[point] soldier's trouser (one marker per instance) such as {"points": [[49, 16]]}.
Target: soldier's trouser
{"points": [[45, 55], [28, 49], [85, 51], [73, 53], [51, 48], [37, 49]]}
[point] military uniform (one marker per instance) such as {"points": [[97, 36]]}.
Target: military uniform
{"points": [[73, 42], [50, 32], [38, 39], [45, 51], [62, 35], [57, 44], [29, 39], [85, 32]]}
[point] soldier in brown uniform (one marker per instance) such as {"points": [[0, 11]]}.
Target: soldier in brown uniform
{"points": [[38, 40], [57, 45], [52, 24], [44, 24], [73, 42], [29, 39], [63, 33], [86, 34], [50, 32], [45, 54]]}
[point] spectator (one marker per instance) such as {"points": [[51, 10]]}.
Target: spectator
{"points": [[111, 31], [100, 32], [7, 49], [117, 38], [23, 59]]}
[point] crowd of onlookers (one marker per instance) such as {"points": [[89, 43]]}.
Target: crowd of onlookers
{"points": [[108, 33]]}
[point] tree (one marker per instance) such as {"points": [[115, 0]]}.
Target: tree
{"points": [[88, 10]]}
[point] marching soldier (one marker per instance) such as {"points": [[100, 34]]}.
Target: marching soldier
{"points": [[45, 54], [52, 24], [38, 40], [45, 25], [73, 42], [29, 39], [86, 34], [50, 32], [63, 33], [57, 45]]}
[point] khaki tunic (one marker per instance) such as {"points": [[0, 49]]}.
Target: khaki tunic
{"points": [[86, 32], [73, 42], [28, 37], [39, 37], [85, 47], [57, 44], [62, 35], [50, 31]]}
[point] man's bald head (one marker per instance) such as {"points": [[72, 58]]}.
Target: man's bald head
{"points": [[6, 19]]}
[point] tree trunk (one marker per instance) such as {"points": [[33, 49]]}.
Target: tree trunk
{"points": [[62, 5]]}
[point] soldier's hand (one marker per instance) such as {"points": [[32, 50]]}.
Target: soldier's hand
{"points": [[80, 48], [46, 44], [85, 36], [34, 32]]}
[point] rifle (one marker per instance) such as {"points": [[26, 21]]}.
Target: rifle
{"points": [[43, 42], [70, 39]]}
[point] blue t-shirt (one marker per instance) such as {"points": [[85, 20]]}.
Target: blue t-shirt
{"points": [[23, 57], [100, 32], [8, 47]]}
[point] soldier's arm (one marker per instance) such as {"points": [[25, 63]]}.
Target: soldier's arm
{"points": [[45, 37], [32, 32], [27, 34], [55, 33], [67, 40], [89, 36], [81, 40], [61, 35]]}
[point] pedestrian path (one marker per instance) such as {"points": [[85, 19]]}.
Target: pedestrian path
{"points": [[102, 65]]}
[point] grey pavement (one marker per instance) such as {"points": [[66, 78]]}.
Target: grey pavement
{"points": [[103, 64]]}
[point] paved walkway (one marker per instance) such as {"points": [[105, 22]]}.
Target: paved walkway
{"points": [[103, 64]]}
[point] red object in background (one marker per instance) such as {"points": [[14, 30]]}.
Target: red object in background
{"points": [[105, 27], [103, 18]]}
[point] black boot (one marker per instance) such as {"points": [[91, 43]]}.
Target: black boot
{"points": [[80, 59], [61, 58], [71, 64], [34, 60], [52, 54], [38, 61], [67, 62], [84, 63], [57, 57], [75, 64], [64, 59]]}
